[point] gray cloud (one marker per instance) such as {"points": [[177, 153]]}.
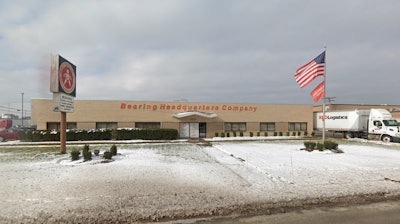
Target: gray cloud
{"points": [[233, 51]]}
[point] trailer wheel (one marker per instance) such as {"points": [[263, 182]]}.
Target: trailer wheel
{"points": [[386, 138], [348, 135]]}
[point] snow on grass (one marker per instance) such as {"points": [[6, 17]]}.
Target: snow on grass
{"points": [[181, 179]]}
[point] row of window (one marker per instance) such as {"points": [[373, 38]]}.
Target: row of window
{"points": [[105, 125], [229, 126], [268, 127]]}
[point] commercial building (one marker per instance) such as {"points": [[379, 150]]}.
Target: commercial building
{"points": [[191, 119]]}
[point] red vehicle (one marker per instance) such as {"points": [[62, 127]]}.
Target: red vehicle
{"points": [[8, 134]]}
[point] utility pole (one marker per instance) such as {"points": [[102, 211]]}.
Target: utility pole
{"points": [[22, 111]]}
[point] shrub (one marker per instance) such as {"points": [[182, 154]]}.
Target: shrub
{"points": [[228, 134], [280, 133], [107, 155], [305, 133], [330, 145], [234, 134], [222, 134], [310, 145], [113, 150], [258, 134], [86, 153], [275, 133], [251, 134], [75, 154], [241, 134], [320, 146], [100, 134], [294, 133], [216, 134], [299, 133]]}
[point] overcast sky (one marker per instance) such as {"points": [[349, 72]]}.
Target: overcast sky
{"points": [[243, 51]]}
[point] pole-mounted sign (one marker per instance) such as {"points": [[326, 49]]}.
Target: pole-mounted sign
{"points": [[63, 84], [63, 87]]}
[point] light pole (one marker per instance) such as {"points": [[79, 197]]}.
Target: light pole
{"points": [[22, 111]]}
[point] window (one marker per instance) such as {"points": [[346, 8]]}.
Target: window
{"points": [[106, 125], [56, 125], [391, 123], [235, 126], [148, 125], [297, 126], [267, 126]]}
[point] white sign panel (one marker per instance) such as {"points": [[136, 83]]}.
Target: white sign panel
{"points": [[63, 103]]}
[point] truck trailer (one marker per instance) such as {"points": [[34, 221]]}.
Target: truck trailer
{"points": [[369, 124]]}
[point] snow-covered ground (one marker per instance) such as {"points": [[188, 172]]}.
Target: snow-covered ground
{"points": [[161, 181]]}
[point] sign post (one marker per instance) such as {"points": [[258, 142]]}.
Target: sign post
{"points": [[63, 87]]}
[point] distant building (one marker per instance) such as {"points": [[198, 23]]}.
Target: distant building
{"points": [[9, 116]]}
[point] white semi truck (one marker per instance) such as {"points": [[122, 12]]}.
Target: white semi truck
{"points": [[370, 124]]}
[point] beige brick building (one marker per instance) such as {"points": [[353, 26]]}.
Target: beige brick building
{"points": [[191, 119]]}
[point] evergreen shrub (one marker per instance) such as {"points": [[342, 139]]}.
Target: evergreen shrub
{"points": [[113, 150], [107, 155], [86, 153], [75, 154]]}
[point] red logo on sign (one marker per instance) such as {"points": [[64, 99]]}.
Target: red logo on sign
{"points": [[67, 77]]}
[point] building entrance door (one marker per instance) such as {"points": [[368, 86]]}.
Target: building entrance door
{"points": [[192, 130]]}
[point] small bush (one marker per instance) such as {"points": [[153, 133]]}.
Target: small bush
{"points": [[241, 134], [310, 145], [275, 133], [222, 134], [251, 134], [266, 134], [258, 134], [216, 134], [330, 145], [107, 155], [86, 153], [294, 133], [299, 133], [75, 154], [234, 134], [113, 150], [305, 133], [280, 133], [228, 135], [320, 146]]}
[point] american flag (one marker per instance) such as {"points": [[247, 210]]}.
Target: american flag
{"points": [[308, 72], [319, 92]]}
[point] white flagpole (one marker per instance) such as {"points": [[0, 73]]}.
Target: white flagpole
{"points": [[323, 101]]}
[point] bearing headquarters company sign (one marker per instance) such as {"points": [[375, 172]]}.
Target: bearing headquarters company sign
{"points": [[63, 76], [62, 84]]}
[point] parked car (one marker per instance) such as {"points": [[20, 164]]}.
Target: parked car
{"points": [[8, 134]]}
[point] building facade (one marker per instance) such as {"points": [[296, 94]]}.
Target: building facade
{"points": [[191, 119]]}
